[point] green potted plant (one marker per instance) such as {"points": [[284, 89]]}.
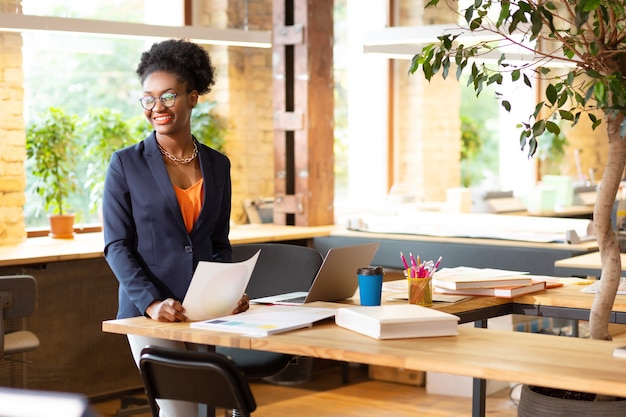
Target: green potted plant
{"points": [[104, 131], [52, 149], [587, 40]]}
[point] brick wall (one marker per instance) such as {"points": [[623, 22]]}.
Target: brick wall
{"points": [[243, 93], [427, 127], [12, 136]]}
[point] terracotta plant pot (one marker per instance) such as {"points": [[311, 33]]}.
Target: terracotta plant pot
{"points": [[61, 226], [533, 404]]}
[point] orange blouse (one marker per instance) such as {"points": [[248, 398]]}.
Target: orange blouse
{"points": [[190, 202]]}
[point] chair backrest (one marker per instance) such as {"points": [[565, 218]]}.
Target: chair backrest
{"points": [[281, 267], [200, 377], [18, 294]]}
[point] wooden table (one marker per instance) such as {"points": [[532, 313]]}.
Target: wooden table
{"points": [[583, 265], [529, 358]]}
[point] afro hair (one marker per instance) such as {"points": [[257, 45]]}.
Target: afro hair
{"points": [[187, 60]]}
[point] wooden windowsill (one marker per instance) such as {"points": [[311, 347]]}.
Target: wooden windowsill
{"points": [[41, 232], [89, 243]]}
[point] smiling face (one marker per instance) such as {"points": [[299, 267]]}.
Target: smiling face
{"points": [[174, 121]]}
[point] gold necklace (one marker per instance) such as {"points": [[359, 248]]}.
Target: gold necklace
{"points": [[183, 161]]}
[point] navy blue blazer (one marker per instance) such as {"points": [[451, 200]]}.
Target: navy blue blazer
{"points": [[146, 243]]}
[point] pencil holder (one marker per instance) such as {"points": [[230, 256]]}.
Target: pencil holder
{"points": [[420, 291]]}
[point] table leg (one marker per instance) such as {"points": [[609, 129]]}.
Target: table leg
{"points": [[479, 386], [479, 391]]}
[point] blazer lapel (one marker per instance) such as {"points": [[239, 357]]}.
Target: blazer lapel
{"points": [[205, 167], [162, 178]]}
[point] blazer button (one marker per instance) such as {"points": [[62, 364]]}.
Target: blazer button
{"points": [[188, 249]]}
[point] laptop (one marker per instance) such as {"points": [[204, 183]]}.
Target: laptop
{"points": [[336, 279]]}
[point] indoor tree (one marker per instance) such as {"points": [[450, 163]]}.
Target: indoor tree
{"points": [[588, 39]]}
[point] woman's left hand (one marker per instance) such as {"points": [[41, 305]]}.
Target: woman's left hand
{"points": [[243, 305]]}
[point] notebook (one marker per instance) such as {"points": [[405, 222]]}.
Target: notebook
{"points": [[336, 279]]}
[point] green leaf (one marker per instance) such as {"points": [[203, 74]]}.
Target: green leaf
{"points": [[600, 93], [537, 24], [446, 67], [538, 108], [527, 80], [504, 13], [553, 128], [593, 73], [414, 64], [475, 24], [469, 13], [551, 94], [459, 69], [506, 105], [428, 70], [515, 74], [596, 124], [589, 5], [532, 146], [566, 115]]}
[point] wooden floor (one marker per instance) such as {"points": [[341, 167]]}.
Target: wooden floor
{"points": [[326, 395]]}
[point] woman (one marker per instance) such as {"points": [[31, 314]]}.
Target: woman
{"points": [[167, 199]]}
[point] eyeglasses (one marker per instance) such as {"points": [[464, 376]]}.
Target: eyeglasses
{"points": [[167, 99]]}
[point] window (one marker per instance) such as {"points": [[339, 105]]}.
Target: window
{"points": [[85, 75]]}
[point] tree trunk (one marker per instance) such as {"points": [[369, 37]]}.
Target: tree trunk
{"points": [[605, 234]]}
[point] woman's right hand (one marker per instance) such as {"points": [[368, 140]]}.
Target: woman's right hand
{"points": [[166, 310]]}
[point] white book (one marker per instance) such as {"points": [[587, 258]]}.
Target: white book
{"points": [[397, 321], [266, 320], [466, 277]]}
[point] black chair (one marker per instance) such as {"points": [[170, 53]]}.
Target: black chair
{"points": [[18, 296], [199, 377], [281, 268]]}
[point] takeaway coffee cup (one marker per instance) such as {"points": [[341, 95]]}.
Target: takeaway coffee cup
{"points": [[370, 285]]}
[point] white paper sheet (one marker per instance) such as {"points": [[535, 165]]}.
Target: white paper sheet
{"points": [[216, 288]]}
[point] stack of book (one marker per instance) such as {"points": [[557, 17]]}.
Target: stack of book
{"points": [[487, 282], [397, 321]]}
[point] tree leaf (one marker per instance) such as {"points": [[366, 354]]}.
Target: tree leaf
{"points": [[599, 93], [566, 115], [553, 128], [538, 108], [469, 13], [446, 67], [539, 127], [532, 147], [551, 94]]}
